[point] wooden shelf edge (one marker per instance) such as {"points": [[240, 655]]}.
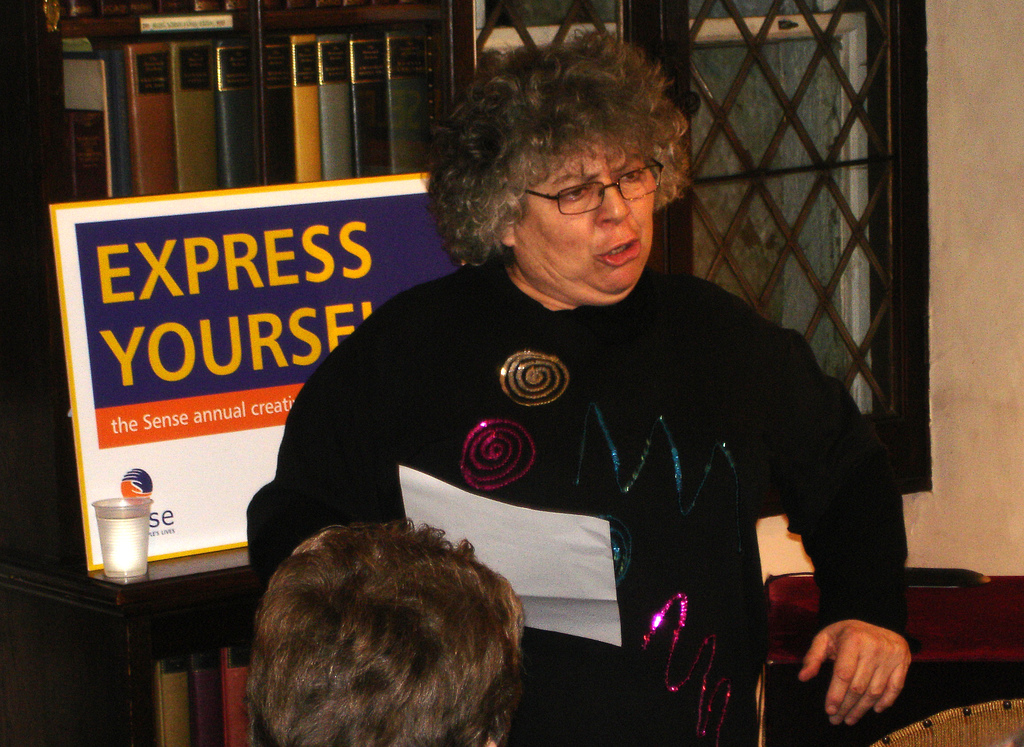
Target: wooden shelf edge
{"points": [[172, 585], [299, 18]]}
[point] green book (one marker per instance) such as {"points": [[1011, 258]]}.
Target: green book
{"points": [[195, 126], [408, 93], [335, 106]]}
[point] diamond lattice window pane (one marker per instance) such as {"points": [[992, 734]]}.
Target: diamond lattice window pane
{"points": [[791, 176]]}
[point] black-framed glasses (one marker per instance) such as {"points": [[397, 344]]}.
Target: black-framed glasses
{"points": [[583, 198]]}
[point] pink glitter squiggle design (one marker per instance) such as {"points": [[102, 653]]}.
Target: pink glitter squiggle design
{"points": [[496, 453], [706, 704]]}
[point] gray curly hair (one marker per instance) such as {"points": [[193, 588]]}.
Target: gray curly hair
{"points": [[531, 110]]}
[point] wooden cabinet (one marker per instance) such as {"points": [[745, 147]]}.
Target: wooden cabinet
{"points": [[77, 651]]}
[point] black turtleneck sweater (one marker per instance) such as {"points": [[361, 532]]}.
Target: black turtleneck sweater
{"points": [[671, 414]]}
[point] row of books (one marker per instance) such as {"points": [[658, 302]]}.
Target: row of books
{"points": [[91, 8], [199, 699], [157, 117]]}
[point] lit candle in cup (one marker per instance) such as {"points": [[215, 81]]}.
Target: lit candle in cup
{"points": [[124, 536]]}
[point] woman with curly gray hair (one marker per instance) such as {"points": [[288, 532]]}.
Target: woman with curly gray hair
{"points": [[544, 111], [553, 371]]}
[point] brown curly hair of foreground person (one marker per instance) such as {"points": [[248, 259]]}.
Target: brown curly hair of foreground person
{"points": [[382, 635]]}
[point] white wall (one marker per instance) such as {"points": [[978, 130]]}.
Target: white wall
{"points": [[974, 515]]}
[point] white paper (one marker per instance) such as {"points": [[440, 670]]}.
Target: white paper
{"points": [[559, 564]]}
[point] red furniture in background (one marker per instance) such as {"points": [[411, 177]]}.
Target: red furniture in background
{"points": [[968, 646]]}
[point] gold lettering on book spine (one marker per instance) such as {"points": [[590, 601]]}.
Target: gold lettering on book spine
{"points": [[51, 11]]}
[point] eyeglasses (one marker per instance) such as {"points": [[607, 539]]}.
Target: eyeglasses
{"points": [[586, 197]]}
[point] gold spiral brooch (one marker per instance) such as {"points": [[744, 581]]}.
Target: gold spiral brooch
{"points": [[532, 378]]}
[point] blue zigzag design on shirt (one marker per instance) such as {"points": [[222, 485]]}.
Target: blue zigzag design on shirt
{"points": [[627, 485]]}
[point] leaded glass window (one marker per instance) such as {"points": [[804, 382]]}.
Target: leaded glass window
{"points": [[792, 173], [504, 23]]}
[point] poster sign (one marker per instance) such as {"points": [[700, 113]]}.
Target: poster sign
{"points": [[192, 321]]}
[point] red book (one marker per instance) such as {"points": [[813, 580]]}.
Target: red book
{"points": [[87, 141], [234, 668], [87, 133], [205, 699], [150, 118]]}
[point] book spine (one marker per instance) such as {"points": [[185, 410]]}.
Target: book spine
{"points": [[173, 6], [306, 108], [195, 128], [86, 134], [205, 699], [292, 4], [78, 8], [141, 7], [87, 129], [112, 7], [234, 669], [117, 110], [170, 701], [236, 4], [233, 102], [207, 6], [408, 101], [368, 77], [279, 125], [335, 106], [150, 117]]}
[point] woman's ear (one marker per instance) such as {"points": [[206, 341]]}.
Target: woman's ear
{"points": [[508, 236]]}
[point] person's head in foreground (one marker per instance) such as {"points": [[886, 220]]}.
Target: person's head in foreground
{"points": [[555, 162], [384, 635]]}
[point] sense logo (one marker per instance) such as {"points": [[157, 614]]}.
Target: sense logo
{"points": [[136, 483]]}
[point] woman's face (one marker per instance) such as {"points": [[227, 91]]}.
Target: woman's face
{"points": [[588, 259]]}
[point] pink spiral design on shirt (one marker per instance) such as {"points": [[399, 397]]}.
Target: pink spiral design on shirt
{"points": [[496, 453]]}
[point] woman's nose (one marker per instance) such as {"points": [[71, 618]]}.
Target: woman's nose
{"points": [[614, 206]]}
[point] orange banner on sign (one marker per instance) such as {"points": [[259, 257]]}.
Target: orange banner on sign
{"points": [[174, 419]]}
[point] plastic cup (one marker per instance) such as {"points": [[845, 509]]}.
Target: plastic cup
{"points": [[124, 536]]}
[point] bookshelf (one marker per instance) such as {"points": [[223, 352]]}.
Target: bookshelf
{"points": [[202, 101], [77, 652]]}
